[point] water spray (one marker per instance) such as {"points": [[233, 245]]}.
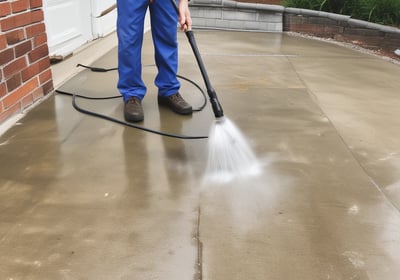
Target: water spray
{"points": [[229, 154]]}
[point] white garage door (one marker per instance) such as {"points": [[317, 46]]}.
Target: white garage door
{"points": [[72, 23]]}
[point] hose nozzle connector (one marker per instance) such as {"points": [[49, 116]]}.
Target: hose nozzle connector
{"points": [[216, 106]]}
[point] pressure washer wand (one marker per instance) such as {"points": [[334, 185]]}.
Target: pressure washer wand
{"points": [[216, 106]]}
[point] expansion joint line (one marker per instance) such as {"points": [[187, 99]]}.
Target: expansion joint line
{"points": [[199, 261], [314, 97]]}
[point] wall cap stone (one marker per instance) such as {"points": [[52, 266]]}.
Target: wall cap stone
{"points": [[238, 5]]}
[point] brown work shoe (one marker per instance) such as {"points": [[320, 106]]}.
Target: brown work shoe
{"points": [[176, 103], [133, 110]]}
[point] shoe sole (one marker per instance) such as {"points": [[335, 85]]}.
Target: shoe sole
{"points": [[130, 118]]}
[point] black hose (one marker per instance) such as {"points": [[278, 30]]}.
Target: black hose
{"points": [[103, 70], [108, 118], [97, 69]]}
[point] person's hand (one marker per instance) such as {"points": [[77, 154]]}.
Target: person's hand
{"points": [[185, 20]]}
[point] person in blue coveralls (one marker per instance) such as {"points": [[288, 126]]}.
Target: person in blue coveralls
{"points": [[130, 28]]}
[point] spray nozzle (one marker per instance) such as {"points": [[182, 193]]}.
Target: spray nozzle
{"points": [[220, 120], [217, 109], [216, 106]]}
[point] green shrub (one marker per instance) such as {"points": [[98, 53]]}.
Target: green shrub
{"points": [[304, 4], [378, 11]]}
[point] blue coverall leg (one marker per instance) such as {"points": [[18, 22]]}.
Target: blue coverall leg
{"points": [[130, 27]]}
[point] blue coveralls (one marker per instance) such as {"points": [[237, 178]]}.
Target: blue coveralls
{"points": [[130, 28]]}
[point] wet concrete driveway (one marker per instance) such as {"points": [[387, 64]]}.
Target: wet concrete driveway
{"points": [[84, 198]]}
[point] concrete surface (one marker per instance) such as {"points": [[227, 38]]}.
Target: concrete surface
{"points": [[83, 198]]}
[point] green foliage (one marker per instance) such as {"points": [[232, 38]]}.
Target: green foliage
{"points": [[378, 11], [304, 4]]}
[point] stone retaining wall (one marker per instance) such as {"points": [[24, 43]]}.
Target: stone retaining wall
{"points": [[236, 15], [276, 18], [369, 35]]}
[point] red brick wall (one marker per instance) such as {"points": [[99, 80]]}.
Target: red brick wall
{"points": [[25, 75]]}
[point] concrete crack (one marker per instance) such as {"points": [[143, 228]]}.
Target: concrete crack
{"points": [[199, 261]]}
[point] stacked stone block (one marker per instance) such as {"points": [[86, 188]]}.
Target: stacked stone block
{"points": [[385, 39], [236, 15]]}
